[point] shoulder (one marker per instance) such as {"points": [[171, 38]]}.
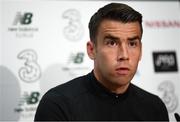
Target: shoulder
{"points": [[70, 89], [145, 96], [150, 103], [148, 99], [141, 93], [57, 103]]}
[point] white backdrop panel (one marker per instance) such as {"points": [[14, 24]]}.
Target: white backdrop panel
{"points": [[43, 44]]}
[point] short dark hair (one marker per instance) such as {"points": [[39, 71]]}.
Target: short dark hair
{"points": [[113, 11]]}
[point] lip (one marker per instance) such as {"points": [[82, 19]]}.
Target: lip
{"points": [[122, 70]]}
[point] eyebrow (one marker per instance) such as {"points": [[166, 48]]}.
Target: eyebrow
{"points": [[111, 37], [116, 38], [134, 38]]}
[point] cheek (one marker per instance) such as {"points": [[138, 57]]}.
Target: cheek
{"points": [[104, 58], [134, 60], [107, 56]]}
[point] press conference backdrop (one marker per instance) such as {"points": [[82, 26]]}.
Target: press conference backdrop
{"points": [[43, 44]]}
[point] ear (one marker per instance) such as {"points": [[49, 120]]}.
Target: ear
{"points": [[90, 50]]}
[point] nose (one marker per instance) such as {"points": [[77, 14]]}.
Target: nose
{"points": [[123, 52]]}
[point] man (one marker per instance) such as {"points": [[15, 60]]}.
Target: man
{"points": [[106, 93]]}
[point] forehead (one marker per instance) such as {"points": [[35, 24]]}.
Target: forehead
{"points": [[119, 28]]}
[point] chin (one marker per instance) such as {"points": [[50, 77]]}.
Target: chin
{"points": [[121, 82]]}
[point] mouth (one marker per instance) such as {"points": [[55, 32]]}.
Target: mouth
{"points": [[122, 71]]}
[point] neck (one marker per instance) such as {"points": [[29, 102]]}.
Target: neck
{"points": [[121, 89], [113, 87]]}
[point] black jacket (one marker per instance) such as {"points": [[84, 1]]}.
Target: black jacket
{"points": [[84, 98]]}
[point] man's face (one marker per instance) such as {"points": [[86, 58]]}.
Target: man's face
{"points": [[117, 52]]}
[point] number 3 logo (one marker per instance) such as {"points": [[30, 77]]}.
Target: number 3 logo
{"points": [[31, 70], [169, 96], [74, 30]]}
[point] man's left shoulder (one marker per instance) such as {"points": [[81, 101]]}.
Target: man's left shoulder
{"points": [[148, 99], [149, 102], [144, 95]]}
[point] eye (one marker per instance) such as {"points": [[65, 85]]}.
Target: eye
{"points": [[111, 42], [133, 43]]}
